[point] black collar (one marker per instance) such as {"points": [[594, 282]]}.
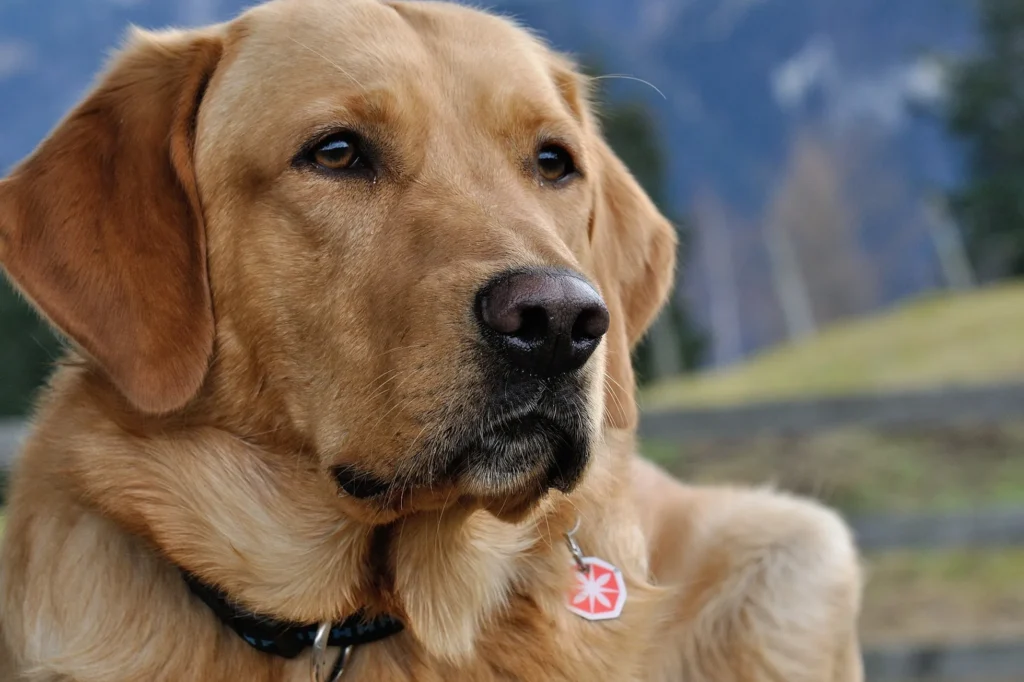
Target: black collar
{"points": [[288, 640]]}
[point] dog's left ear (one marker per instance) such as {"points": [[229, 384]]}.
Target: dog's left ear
{"points": [[634, 250]]}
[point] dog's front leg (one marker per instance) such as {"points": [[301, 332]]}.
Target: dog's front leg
{"points": [[766, 586]]}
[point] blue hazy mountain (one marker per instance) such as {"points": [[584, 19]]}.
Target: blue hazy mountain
{"points": [[732, 81]]}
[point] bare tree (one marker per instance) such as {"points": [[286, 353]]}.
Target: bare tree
{"points": [[789, 282], [949, 244], [714, 248], [821, 269]]}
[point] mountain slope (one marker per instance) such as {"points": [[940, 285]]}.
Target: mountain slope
{"points": [[734, 83], [965, 339]]}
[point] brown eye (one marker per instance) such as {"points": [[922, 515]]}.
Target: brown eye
{"points": [[554, 163], [338, 153]]}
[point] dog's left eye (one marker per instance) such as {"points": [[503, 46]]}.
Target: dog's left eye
{"points": [[339, 153], [555, 163]]}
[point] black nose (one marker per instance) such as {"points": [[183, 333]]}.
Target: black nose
{"points": [[545, 322]]}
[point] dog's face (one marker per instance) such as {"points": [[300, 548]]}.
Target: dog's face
{"points": [[392, 231]]}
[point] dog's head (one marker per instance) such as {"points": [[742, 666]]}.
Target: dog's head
{"points": [[388, 234]]}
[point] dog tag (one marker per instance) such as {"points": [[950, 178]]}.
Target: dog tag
{"points": [[599, 592]]}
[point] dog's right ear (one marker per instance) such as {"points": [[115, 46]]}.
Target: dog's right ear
{"points": [[101, 228], [634, 248]]}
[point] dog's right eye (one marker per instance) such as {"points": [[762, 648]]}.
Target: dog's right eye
{"points": [[555, 163], [339, 152]]}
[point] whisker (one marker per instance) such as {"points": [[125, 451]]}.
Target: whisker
{"points": [[579, 512], [384, 416], [324, 57], [380, 388], [437, 531], [627, 77], [398, 348], [547, 537], [618, 405]]}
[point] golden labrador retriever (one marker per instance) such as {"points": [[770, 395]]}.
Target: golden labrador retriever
{"points": [[352, 287]]}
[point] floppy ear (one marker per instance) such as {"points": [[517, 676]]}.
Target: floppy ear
{"points": [[635, 254], [634, 249], [102, 230]]}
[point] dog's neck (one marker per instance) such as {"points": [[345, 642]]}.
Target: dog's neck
{"points": [[266, 529]]}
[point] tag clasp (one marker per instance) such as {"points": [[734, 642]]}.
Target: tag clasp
{"points": [[574, 547], [321, 672]]}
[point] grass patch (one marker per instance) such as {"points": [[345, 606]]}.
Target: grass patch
{"points": [[965, 339], [944, 597], [860, 470]]}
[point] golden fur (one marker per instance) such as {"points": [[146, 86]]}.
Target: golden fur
{"points": [[241, 326]]}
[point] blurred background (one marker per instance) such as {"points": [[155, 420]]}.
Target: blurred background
{"points": [[848, 182]]}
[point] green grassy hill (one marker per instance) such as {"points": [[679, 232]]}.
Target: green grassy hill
{"points": [[964, 339]]}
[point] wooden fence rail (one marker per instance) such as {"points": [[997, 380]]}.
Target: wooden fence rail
{"points": [[981, 529], [987, 404], [994, 661]]}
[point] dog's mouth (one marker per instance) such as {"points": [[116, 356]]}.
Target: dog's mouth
{"points": [[539, 448], [533, 439]]}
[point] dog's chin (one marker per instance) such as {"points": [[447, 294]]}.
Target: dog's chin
{"points": [[507, 468], [512, 468]]}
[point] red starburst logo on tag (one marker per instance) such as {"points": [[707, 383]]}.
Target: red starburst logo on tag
{"points": [[599, 593]]}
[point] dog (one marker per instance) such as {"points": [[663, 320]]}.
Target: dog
{"points": [[350, 289]]}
